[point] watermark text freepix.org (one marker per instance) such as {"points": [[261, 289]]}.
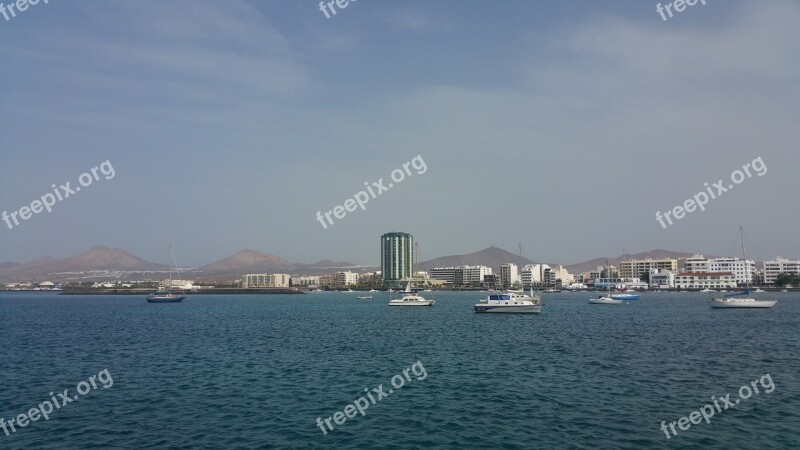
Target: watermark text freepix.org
{"points": [[701, 199], [679, 5], [361, 404], [707, 411], [375, 189], [342, 4], [45, 408], [62, 192], [21, 5]]}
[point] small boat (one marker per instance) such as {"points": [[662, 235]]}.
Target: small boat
{"points": [[607, 299], [732, 301], [603, 300], [741, 299], [624, 296], [509, 303], [708, 290], [373, 290], [366, 297], [759, 290], [411, 298], [166, 295], [784, 290]]}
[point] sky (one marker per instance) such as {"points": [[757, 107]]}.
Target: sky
{"points": [[565, 126]]}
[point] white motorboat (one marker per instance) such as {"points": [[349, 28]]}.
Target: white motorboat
{"points": [[411, 298], [365, 297], [759, 291], [509, 302], [741, 299], [603, 300]]}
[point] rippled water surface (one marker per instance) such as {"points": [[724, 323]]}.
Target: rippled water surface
{"points": [[256, 372]]}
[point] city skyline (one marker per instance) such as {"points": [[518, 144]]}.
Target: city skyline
{"points": [[235, 136]]}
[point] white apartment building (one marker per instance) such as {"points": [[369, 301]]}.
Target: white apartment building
{"points": [[256, 280], [460, 275], [636, 268], [346, 278], [534, 274], [778, 266], [743, 270], [446, 274], [509, 274], [705, 280], [662, 278], [475, 274]]}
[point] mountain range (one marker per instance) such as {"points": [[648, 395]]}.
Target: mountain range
{"points": [[104, 263]]}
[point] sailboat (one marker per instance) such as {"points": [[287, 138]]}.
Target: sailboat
{"points": [[411, 298], [606, 299], [741, 299], [166, 295]]}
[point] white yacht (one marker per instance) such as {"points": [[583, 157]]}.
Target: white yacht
{"points": [[741, 302], [741, 299], [509, 302], [411, 298], [604, 300]]}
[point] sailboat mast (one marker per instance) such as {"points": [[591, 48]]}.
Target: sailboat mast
{"points": [[744, 255], [171, 258]]}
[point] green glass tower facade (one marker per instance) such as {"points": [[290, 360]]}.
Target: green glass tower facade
{"points": [[397, 250]]}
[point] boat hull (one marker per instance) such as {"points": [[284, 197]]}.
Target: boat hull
{"points": [[604, 301], [173, 299], [509, 309], [625, 296], [412, 303], [741, 303]]}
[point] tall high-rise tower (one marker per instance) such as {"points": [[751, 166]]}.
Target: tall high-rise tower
{"points": [[397, 252]]}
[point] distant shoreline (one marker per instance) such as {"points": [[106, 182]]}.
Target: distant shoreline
{"points": [[217, 291]]}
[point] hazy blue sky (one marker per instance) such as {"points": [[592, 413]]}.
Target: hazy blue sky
{"points": [[562, 125]]}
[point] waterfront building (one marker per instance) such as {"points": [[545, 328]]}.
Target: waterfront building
{"points": [[636, 268], [509, 274], [461, 275], [631, 283], [663, 279], [743, 270], [396, 258], [259, 280], [778, 266], [305, 281], [561, 275], [535, 274], [705, 280], [446, 274], [346, 278]]}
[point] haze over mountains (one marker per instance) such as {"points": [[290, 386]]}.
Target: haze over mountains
{"points": [[104, 263]]}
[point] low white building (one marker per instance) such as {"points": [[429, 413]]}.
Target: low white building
{"points": [[778, 266], [744, 271], [305, 281], [257, 280], [461, 275], [663, 279], [705, 280]]}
